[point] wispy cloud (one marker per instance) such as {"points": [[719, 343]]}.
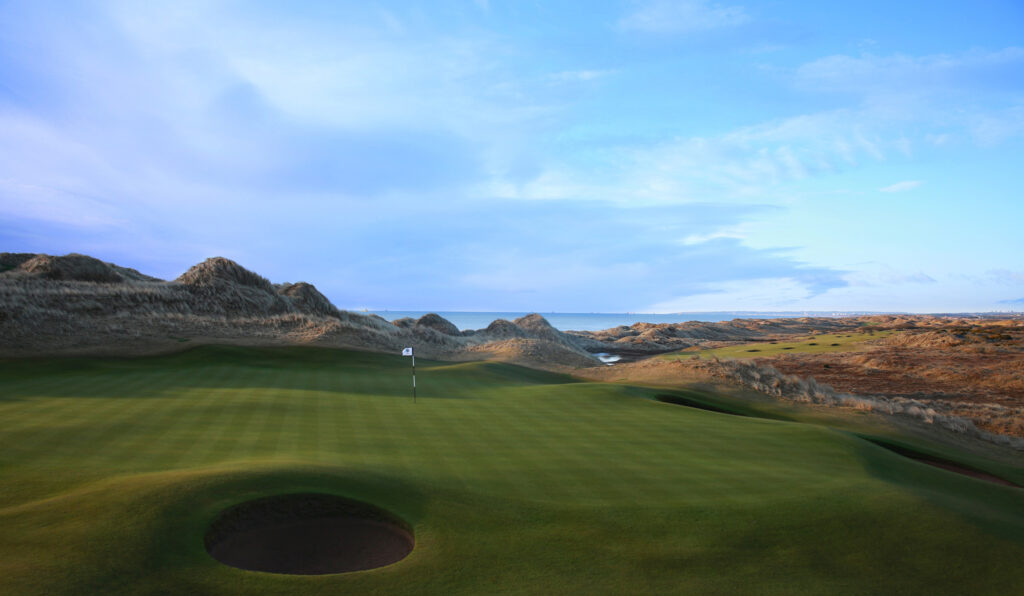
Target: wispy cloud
{"points": [[578, 75], [974, 95], [745, 165], [509, 255], [1005, 276], [996, 126], [53, 205], [781, 293], [915, 278], [902, 186], [753, 163], [682, 16], [880, 275], [733, 233], [871, 74]]}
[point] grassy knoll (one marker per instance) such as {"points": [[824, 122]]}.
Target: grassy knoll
{"points": [[828, 342], [516, 481]]}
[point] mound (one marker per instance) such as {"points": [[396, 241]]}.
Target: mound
{"points": [[308, 299], [11, 260], [541, 353], [537, 326], [404, 322], [308, 534], [219, 270], [500, 329], [922, 339], [71, 267], [438, 323]]}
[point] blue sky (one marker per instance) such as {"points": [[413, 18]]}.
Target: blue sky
{"points": [[640, 155]]}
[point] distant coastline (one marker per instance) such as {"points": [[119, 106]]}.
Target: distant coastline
{"points": [[599, 321]]}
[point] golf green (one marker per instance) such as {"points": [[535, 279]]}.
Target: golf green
{"points": [[512, 480]]}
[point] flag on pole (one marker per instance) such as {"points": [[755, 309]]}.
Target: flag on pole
{"points": [[408, 352]]}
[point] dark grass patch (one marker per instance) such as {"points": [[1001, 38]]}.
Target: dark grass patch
{"points": [[679, 400], [754, 350], [308, 534], [939, 462], [787, 347]]}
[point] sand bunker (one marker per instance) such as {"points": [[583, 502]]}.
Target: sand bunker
{"points": [[308, 534], [683, 401], [944, 464]]}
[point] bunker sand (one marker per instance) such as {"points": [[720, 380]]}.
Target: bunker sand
{"points": [[308, 534]]}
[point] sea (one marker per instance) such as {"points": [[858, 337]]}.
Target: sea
{"points": [[566, 321]]}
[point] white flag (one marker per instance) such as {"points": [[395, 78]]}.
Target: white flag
{"points": [[406, 351]]}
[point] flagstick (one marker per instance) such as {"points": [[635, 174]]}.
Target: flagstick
{"points": [[414, 378]]}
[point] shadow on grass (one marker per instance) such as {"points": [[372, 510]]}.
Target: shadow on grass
{"points": [[710, 402], [996, 507], [938, 462], [680, 400]]}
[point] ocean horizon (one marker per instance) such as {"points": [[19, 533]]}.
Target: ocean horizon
{"points": [[466, 320]]}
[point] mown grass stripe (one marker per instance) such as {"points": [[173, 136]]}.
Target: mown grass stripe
{"points": [[197, 428], [89, 421], [513, 478]]}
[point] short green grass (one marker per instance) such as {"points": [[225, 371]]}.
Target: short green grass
{"points": [[515, 481], [830, 342]]}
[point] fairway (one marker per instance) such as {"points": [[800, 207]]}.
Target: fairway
{"points": [[831, 342], [513, 480]]}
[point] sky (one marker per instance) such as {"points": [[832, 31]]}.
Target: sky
{"points": [[499, 155]]}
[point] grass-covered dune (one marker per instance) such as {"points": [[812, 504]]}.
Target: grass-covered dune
{"points": [[514, 481]]}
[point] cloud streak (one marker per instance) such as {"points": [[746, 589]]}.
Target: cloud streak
{"points": [[903, 186], [560, 255], [871, 74], [682, 17]]}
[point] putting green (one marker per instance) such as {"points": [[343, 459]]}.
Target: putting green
{"points": [[515, 481]]}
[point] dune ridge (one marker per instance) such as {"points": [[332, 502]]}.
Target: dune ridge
{"points": [[76, 304]]}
